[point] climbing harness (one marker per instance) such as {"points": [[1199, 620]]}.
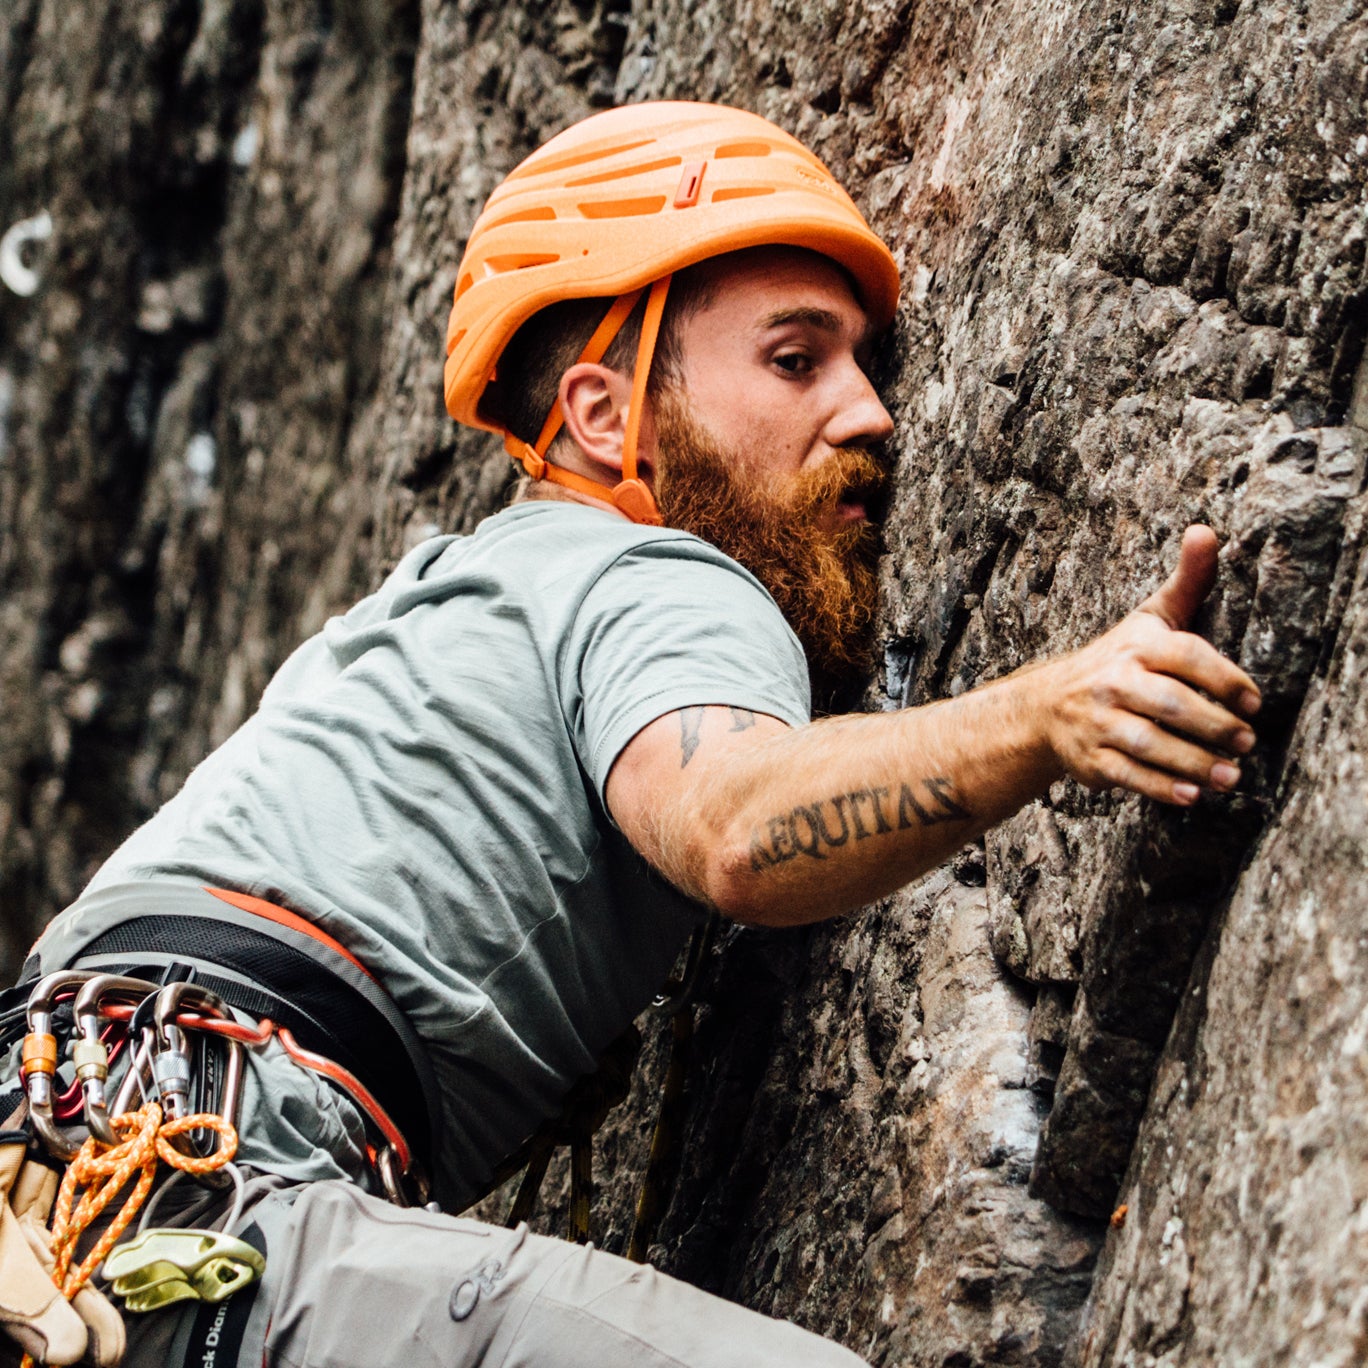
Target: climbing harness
{"points": [[328, 1012], [180, 1047]]}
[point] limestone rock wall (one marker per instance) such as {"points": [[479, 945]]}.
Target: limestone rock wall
{"points": [[1133, 243]]}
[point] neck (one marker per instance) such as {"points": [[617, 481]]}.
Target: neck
{"points": [[538, 490]]}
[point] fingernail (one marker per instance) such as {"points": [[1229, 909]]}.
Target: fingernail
{"points": [[1224, 776], [1250, 702], [1186, 793], [1243, 742]]}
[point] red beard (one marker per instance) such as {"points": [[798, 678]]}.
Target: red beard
{"points": [[783, 530]]}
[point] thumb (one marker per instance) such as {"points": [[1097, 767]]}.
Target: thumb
{"points": [[1177, 600]]}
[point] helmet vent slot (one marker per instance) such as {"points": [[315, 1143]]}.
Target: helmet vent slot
{"points": [[741, 192], [517, 261], [465, 282], [743, 149], [543, 213], [636, 169], [623, 208], [539, 166]]}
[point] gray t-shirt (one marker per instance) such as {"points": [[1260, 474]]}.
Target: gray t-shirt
{"points": [[424, 779]]}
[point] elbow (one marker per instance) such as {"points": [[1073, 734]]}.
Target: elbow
{"points": [[735, 887]]}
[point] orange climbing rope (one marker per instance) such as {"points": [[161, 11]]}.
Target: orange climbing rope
{"points": [[104, 1172]]}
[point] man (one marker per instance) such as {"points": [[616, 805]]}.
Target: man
{"points": [[450, 819]]}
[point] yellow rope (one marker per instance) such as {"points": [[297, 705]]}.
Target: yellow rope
{"points": [[105, 1172]]}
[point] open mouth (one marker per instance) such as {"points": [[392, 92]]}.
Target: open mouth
{"points": [[861, 501]]}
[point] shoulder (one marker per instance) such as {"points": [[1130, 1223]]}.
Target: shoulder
{"points": [[599, 551]]}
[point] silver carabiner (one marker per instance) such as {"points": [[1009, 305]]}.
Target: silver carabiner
{"points": [[171, 1052], [393, 1179], [89, 1053], [171, 1057], [40, 1060]]}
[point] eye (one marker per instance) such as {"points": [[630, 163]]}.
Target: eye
{"points": [[794, 363]]}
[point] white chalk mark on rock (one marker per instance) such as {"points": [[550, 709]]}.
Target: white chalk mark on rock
{"points": [[15, 271], [956, 116], [201, 456]]}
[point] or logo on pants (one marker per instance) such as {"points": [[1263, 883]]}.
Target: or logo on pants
{"points": [[466, 1293]]}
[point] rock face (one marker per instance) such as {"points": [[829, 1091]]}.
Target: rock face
{"points": [[1133, 240]]}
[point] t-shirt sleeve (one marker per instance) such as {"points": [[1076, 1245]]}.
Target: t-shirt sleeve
{"points": [[669, 625]]}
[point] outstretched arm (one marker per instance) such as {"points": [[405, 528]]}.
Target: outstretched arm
{"points": [[783, 826]]}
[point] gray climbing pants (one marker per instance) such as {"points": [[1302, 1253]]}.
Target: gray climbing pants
{"points": [[354, 1282]]}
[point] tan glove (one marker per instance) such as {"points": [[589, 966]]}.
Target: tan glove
{"points": [[32, 1310]]}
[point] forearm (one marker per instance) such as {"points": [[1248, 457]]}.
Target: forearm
{"points": [[823, 819], [784, 826]]}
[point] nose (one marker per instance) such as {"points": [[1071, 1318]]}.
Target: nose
{"points": [[860, 418]]}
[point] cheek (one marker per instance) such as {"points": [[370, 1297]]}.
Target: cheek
{"points": [[759, 417]]}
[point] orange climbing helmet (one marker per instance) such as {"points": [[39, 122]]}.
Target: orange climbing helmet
{"points": [[617, 204]]}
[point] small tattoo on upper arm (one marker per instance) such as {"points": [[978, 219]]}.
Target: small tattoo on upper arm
{"points": [[690, 723], [742, 718]]}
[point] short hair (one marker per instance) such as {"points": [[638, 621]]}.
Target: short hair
{"points": [[549, 343]]}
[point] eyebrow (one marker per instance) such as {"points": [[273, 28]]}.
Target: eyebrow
{"points": [[818, 318], [823, 319]]}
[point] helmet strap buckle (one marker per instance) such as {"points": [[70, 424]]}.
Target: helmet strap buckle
{"points": [[634, 498], [530, 458]]}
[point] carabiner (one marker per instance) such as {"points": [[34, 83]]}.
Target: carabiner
{"points": [[171, 1057], [89, 1052], [40, 1060], [171, 1054], [394, 1179]]}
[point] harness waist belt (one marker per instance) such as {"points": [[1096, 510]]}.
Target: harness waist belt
{"points": [[331, 1005]]}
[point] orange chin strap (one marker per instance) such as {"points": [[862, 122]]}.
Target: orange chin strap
{"points": [[631, 495]]}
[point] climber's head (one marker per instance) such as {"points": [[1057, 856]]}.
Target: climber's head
{"points": [[671, 304]]}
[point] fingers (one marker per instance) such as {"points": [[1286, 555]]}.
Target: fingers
{"points": [[1158, 750], [1177, 600], [1188, 658], [1199, 663], [1182, 709], [1116, 770]]}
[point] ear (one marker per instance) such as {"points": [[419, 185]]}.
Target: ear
{"points": [[595, 401]]}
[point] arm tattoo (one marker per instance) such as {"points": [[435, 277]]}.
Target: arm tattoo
{"points": [[817, 829], [690, 722], [944, 809], [742, 718]]}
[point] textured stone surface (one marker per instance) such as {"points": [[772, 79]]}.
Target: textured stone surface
{"points": [[1247, 1196], [1133, 239]]}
